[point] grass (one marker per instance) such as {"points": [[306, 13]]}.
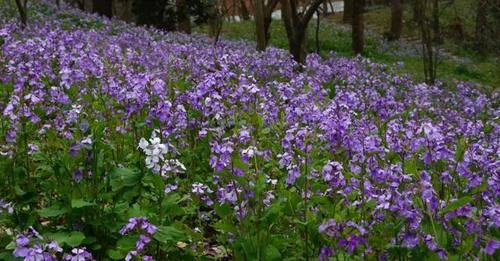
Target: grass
{"points": [[335, 37]]}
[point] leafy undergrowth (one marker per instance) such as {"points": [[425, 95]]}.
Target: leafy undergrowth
{"points": [[121, 142]]}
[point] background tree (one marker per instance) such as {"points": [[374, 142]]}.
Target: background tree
{"points": [[122, 9], [296, 25], [348, 6], [103, 7], [358, 26], [396, 20], [158, 13], [183, 18], [424, 15], [22, 7], [263, 17], [487, 27], [215, 19], [245, 15]]}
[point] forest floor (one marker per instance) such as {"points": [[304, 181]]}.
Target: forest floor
{"points": [[456, 60]]}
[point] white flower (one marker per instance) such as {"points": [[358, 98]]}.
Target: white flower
{"points": [[156, 156], [200, 188], [87, 141]]}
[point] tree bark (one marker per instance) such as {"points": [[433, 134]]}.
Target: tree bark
{"points": [[245, 15], [23, 12], [425, 24], [436, 27], [263, 17], [260, 25], [348, 8], [183, 19], [396, 20], [358, 27], [296, 26], [103, 7]]}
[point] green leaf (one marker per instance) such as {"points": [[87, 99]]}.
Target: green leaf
{"points": [[460, 152], [72, 239], [11, 246], [7, 256], [457, 204], [123, 177], [52, 211], [169, 234], [224, 226], [410, 166], [115, 254], [266, 131], [127, 243], [272, 253], [224, 210], [80, 203]]}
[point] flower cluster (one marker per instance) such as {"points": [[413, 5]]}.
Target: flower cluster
{"points": [[143, 225], [6, 207], [156, 153], [379, 163], [30, 245]]}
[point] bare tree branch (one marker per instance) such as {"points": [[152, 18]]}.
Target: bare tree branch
{"points": [[310, 11]]}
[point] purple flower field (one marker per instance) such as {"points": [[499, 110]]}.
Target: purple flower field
{"points": [[126, 143]]}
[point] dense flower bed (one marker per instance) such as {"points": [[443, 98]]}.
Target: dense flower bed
{"points": [[121, 142]]}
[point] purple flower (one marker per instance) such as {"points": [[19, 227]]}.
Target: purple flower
{"points": [[330, 228], [325, 253], [492, 246], [78, 254], [410, 240], [351, 243], [140, 224]]}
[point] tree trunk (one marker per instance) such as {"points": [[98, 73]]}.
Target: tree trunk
{"points": [[260, 30], [183, 19], [23, 12], [294, 30], [425, 24], [436, 27], [358, 27], [396, 20], [267, 26], [298, 46], [122, 9], [103, 7], [245, 15], [348, 10], [317, 31], [212, 20], [296, 25], [88, 5], [481, 22]]}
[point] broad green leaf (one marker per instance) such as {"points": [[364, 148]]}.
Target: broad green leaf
{"points": [[80, 203], [123, 177], [72, 239], [457, 204], [224, 226], [272, 253], [169, 234], [115, 255], [223, 210], [461, 148], [410, 166], [11, 246], [52, 211]]}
